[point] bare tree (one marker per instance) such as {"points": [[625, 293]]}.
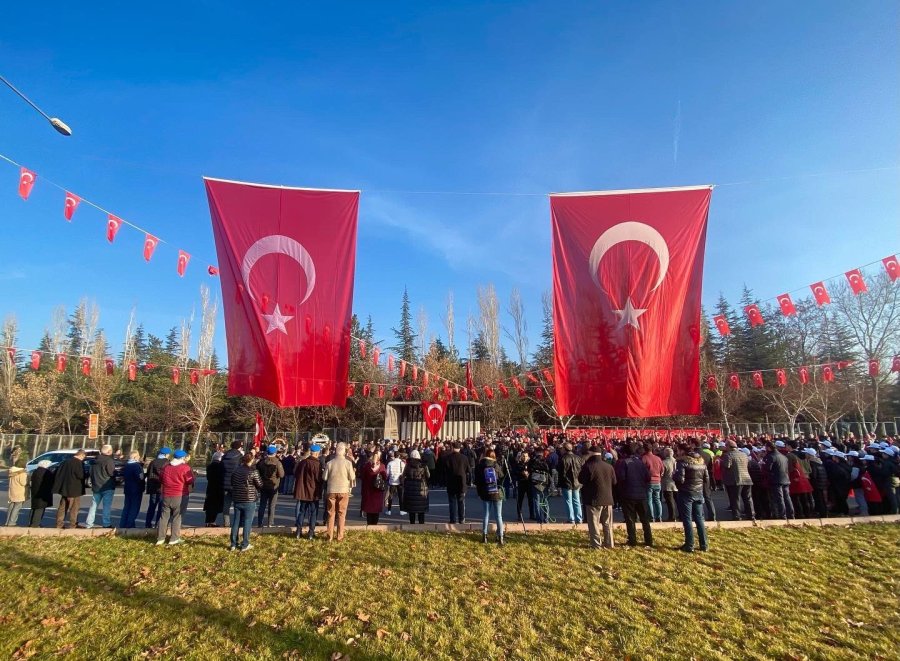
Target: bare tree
{"points": [[202, 396], [489, 322], [519, 334], [8, 367], [450, 322], [57, 331], [423, 332]]}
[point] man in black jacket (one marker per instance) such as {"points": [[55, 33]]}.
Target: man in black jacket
{"points": [[633, 479], [103, 485], [776, 465], [598, 478], [569, 467], [230, 462], [154, 504], [271, 472], [69, 484], [692, 480], [456, 473]]}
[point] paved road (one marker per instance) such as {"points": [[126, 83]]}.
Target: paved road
{"points": [[284, 514]]}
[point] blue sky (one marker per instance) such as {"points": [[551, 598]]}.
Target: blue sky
{"points": [[468, 97]]}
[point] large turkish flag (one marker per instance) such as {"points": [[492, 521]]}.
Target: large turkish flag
{"points": [[627, 275], [286, 261]]}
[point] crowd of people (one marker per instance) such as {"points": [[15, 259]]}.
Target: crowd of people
{"points": [[764, 478]]}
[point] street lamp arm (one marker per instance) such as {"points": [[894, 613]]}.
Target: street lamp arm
{"points": [[57, 123]]}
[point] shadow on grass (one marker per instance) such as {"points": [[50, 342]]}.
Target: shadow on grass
{"points": [[190, 613]]}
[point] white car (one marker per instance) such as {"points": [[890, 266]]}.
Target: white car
{"points": [[56, 457]]}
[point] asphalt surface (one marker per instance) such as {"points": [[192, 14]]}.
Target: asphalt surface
{"points": [[438, 512]]}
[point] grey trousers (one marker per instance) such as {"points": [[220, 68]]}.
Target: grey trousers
{"points": [[600, 518], [171, 509], [12, 514]]}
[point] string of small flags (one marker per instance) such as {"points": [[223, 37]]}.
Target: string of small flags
{"points": [[85, 364], [819, 291], [804, 374], [71, 202]]}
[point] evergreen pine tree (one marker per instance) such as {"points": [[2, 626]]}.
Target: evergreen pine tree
{"points": [[404, 336]]}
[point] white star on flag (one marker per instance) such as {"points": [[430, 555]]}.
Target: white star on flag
{"points": [[629, 315], [276, 321]]}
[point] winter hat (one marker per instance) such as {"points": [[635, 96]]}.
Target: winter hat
{"points": [[415, 455], [810, 452], [165, 452], [779, 444], [745, 451], [272, 449], [826, 443], [853, 453], [180, 454], [315, 448]]}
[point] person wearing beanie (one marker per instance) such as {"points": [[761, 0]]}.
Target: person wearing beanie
{"points": [[176, 480], [271, 472], [154, 504]]}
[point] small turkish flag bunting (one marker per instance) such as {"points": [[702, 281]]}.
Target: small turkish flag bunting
{"points": [[874, 368], [503, 390], [548, 375], [734, 381], [376, 354], [132, 371], [212, 270], [415, 375], [531, 377], [409, 392], [787, 305], [150, 243], [820, 293], [402, 368], [195, 377], [395, 392], [351, 389], [711, 382], [176, 375], [827, 374], [71, 204], [804, 375], [26, 182], [86, 365], [488, 392], [366, 390], [857, 284], [183, 259], [425, 380], [113, 223], [892, 266], [464, 394], [781, 377], [390, 363], [11, 352], [757, 380], [60, 362], [35, 360], [754, 315], [722, 324], [539, 393], [381, 390], [362, 348], [110, 366], [895, 364]]}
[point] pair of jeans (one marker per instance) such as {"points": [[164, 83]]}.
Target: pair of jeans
{"points": [[600, 518], [102, 498], [306, 513], [171, 511], [541, 504], [268, 500], [154, 508], [244, 513], [12, 514], [654, 502], [737, 494], [690, 508], [493, 509], [780, 497], [572, 498], [130, 509], [860, 497], [226, 508], [635, 509], [457, 507]]}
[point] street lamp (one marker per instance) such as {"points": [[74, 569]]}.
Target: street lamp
{"points": [[55, 122]]}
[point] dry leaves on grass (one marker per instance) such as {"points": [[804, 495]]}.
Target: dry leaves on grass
{"points": [[156, 651], [362, 617], [339, 656], [380, 634], [53, 621], [24, 651], [328, 619]]}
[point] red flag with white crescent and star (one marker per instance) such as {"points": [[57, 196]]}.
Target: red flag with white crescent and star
{"points": [[874, 368], [754, 315], [827, 374], [722, 324], [895, 364], [212, 270], [61, 360], [71, 203], [176, 375], [820, 294], [757, 379], [390, 363], [627, 277], [86, 365], [804, 375], [787, 305], [504, 391], [857, 284], [35, 360], [150, 243], [892, 267], [548, 375], [183, 259], [711, 382], [434, 413], [781, 377], [110, 365], [113, 223], [734, 381], [286, 260], [26, 182]]}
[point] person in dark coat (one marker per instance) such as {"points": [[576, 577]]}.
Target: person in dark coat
{"points": [[539, 478], [633, 479], [41, 492], [819, 479], [215, 490], [776, 467], [488, 479], [372, 476], [414, 482], [69, 484], [308, 491], [692, 476], [737, 481], [154, 486], [430, 462], [230, 462], [133, 487], [597, 479], [456, 473]]}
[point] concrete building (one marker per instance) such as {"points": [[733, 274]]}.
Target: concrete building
{"points": [[405, 421]]}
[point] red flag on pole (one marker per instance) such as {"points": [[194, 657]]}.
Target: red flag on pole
{"points": [[286, 254], [722, 324], [26, 182], [113, 223], [150, 243], [857, 284], [70, 205], [892, 267], [820, 293], [35, 360], [787, 305], [711, 382], [183, 259], [627, 276], [874, 368], [434, 413], [259, 432], [754, 315]]}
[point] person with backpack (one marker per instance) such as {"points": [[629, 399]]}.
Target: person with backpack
{"points": [[271, 472], [374, 479], [488, 484], [539, 482], [414, 482]]}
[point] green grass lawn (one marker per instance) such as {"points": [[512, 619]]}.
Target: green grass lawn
{"points": [[784, 593]]}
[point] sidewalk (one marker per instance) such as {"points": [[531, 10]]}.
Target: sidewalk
{"points": [[512, 528]]}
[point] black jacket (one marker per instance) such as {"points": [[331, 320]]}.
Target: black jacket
{"points": [[271, 472], [456, 467], [691, 474], [817, 474], [103, 473], [245, 484], [777, 467], [633, 478], [41, 488], [597, 480], [481, 484], [569, 467], [70, 479], [153, 470], [230, 462], [414, 481]]}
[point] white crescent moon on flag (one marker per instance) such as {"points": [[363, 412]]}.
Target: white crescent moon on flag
{"points": [[277, 244], [431, 408], [27, 177], [630, 231]]}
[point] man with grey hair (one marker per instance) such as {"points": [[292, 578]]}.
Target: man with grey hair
{"points": [[340, 478], [103, 485]]}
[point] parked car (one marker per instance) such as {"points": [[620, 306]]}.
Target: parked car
{"points": [[56, 457]]}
